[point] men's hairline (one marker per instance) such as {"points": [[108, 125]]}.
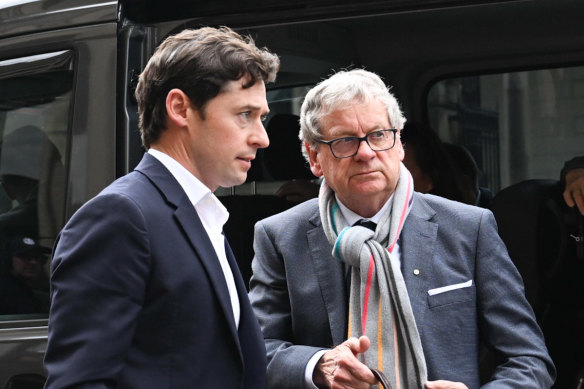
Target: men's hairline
{"points": [[329, 109]]}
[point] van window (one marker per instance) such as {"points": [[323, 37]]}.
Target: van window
{"points": [[35, 99], [517, 125]]}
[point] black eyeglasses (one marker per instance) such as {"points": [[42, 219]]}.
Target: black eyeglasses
{"points": [[348, 146]]}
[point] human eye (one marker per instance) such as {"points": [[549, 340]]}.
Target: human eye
{"points": [[245, 114], [345, 140], [343, 146], [376, 135]]}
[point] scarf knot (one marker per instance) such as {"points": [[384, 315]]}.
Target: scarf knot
{"points": [[351, 242]]}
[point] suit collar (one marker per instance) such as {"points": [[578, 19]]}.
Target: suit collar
{"points": [[331, 278], [417, 242], [187, 217], [315, 218], [161, 177]]}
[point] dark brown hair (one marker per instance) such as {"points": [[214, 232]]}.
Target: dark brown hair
{"points": [[199, 62]]}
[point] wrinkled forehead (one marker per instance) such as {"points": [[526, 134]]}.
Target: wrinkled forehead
{"points": [[357, 103], [349, 119]]}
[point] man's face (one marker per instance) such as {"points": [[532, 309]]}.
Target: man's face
{"points": [[27, 266], [224, 143], [364, 181]]}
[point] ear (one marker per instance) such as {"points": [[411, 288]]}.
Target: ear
{"points": [[177, 105], [314, 162], [400, 147]]}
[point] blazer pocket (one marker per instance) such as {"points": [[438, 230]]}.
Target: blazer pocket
{"points": [[451, 294]]}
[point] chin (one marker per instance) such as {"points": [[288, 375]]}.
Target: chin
{"points": [[234, 181], [370, 188]]}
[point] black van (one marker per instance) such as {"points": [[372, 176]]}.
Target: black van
{"points": [[504, 79]]}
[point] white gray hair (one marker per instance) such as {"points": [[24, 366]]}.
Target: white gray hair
{"points": [[341, 90]]}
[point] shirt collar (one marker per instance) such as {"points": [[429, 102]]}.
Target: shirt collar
{"points": [[352, 217], [195, 190]]}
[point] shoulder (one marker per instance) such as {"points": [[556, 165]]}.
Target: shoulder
{"points": [[299, 216], [301, 211], [129, 197], [443, 210]]}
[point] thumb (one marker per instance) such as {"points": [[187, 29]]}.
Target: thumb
{"points": [[364, 343], [358, 346]]}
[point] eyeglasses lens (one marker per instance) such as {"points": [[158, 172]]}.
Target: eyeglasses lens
{"points": [[377, 140]]}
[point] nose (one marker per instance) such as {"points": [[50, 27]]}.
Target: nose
{"points": [[260, 136], [365, 152]]}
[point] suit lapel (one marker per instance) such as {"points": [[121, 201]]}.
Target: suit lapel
{"points": [[187, 217], [331, 278], [251, 345], [417, 246]]}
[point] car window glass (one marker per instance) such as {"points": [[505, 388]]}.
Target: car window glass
{"points": [[517, 125], [282, 161], [35, 98]]}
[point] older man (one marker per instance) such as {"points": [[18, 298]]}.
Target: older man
{"points": [[412, 295]]}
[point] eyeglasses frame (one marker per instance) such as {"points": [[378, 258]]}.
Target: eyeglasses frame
{"points": [[360, 139]]}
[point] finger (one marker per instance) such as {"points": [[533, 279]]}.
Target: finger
{"points": [[358, 346], [351, 372], [354, 376], [364, 343], [568, 198]]}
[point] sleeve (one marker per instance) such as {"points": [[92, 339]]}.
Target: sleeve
{"points": [[574, 163], [270, 300], [99, 272], [507, 322]]}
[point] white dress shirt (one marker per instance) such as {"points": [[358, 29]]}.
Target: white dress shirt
{"points": [[212, 213]]}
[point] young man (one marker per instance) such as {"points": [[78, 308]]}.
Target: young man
{"points": [[415, 293], [146, 292]]}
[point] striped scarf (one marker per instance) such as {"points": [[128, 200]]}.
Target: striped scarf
{"points": [[379, 306]]}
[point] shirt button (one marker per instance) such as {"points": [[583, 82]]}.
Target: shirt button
{"points": [[416, 272]]}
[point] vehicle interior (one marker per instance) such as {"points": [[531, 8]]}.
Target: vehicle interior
{"points": [[503, 81]]}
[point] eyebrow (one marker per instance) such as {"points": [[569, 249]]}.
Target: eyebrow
{"points": [[343, 133], [254, 108]]}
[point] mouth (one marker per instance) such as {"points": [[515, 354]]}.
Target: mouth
{"points": [[366, 173], [246, 161]]}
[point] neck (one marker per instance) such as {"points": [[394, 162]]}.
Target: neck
{"points": [[364, 207], [179, 153]]}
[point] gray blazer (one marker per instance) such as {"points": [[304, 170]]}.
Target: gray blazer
{"points": [[298, 291]]}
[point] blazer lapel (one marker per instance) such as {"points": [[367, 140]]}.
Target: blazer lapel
{"points": [[330, 275], [188, 218], [190, 222], [251, 346], [417, 245]]}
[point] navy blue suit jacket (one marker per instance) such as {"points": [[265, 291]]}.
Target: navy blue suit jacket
{"points": [[139, 299]]}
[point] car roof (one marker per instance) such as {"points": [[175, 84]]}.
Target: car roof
{"points": [[19, 17]]}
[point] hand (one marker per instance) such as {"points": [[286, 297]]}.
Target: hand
{"points": [[340, 368], [441, 384], [574, 191]]}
